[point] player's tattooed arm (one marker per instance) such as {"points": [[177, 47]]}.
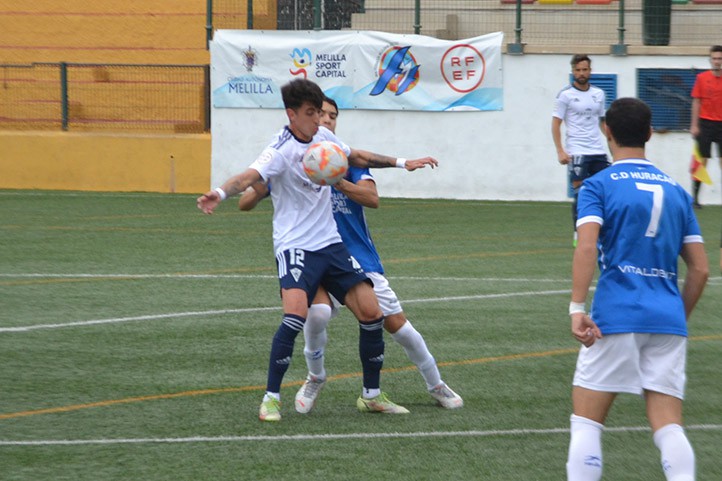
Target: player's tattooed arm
{"points": [[363, 158], [366, 159]]}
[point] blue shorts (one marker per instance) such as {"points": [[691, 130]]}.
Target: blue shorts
{"points": [[331, 267], [584, 166]]}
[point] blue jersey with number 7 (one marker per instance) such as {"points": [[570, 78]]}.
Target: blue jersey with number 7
{"points": [[645, 218]]}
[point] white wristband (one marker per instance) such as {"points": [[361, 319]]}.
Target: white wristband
{"points": [[221, 193], [401, 163], [577, 308]]}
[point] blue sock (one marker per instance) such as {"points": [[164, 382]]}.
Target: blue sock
{"points": [[371, 351], [282, 350]]}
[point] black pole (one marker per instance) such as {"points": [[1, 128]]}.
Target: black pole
{"points": [[209, 22], [64, 94]]}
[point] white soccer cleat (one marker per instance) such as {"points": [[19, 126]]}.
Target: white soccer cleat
{"points": [[446, 397], [379, 404], [307, 395]]}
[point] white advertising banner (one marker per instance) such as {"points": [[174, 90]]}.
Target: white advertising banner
{"points": [[359, 69]]}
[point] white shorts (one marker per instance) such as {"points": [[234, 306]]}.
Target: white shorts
{"points": [[633, 363], [388, 302]]}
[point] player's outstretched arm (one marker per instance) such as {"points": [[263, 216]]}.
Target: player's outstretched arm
{"points": [[694, 255], [236, 184], [252, 196], [363, 192], [364, 158], [413, 164]]}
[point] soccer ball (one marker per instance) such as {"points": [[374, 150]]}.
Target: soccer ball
{"points": [[325, 163]]}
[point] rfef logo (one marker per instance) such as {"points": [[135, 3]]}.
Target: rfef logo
{"points": [[463, 68], [398, 71]]}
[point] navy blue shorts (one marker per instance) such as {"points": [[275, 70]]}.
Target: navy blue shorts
{"points": [[332, 267], [584, 166]]}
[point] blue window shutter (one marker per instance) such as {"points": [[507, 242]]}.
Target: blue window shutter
{"points": [[667, 91]]}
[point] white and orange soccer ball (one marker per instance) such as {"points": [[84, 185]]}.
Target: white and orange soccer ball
{"points": [[325, 163]]}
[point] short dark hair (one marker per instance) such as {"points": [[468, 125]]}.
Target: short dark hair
{"points": [[629, 120], [580, 57], [298, 91], [332, 102], [715, 48]]}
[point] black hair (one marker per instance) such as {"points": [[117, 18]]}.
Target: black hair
{"points": [[298, 91], [332, 102], [629, 120], [715, 48], [580, 57]]}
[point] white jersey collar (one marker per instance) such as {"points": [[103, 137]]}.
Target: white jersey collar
{"points": [[633, 161]]}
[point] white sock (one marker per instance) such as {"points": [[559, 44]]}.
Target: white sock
{"points": [[677, 453], [418, 353], [585, 450], [314, 331], [370, 393], [269, 395]]}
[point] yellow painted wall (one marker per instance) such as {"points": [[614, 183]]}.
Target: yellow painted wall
{"points": [[108, 32], [118, 31], [105, 162]]}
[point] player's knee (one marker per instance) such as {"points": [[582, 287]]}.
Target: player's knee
{"points": [[318, 317], [369, 313], [362, 301], [394, 322]]}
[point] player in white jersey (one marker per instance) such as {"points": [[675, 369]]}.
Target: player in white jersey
{"points": [[309, 251], [638, 222], [356, 191], [581, 107]]}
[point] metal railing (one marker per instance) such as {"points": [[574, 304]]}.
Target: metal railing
{"points": [[551, 25], [175, 98]]}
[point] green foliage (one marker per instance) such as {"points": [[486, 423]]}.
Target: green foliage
{"points": [[143, 328]]}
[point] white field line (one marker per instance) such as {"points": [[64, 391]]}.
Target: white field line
{"points": [[135, 276], [258, 309], [253, 276], [334, 437], [6, 275], [401, 200]]}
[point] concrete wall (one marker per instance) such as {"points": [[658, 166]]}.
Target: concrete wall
{"points": [[105, 162], [505, 155]]}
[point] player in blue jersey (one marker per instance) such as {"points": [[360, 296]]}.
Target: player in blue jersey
{"points": [[350, 196], [309, 251], [637, 221], [580, 106]]}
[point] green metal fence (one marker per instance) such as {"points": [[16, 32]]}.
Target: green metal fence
{"points": [[105, 97], [548, 25]]}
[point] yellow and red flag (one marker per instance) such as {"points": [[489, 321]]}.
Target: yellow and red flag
{"points": [[697, 168]]}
